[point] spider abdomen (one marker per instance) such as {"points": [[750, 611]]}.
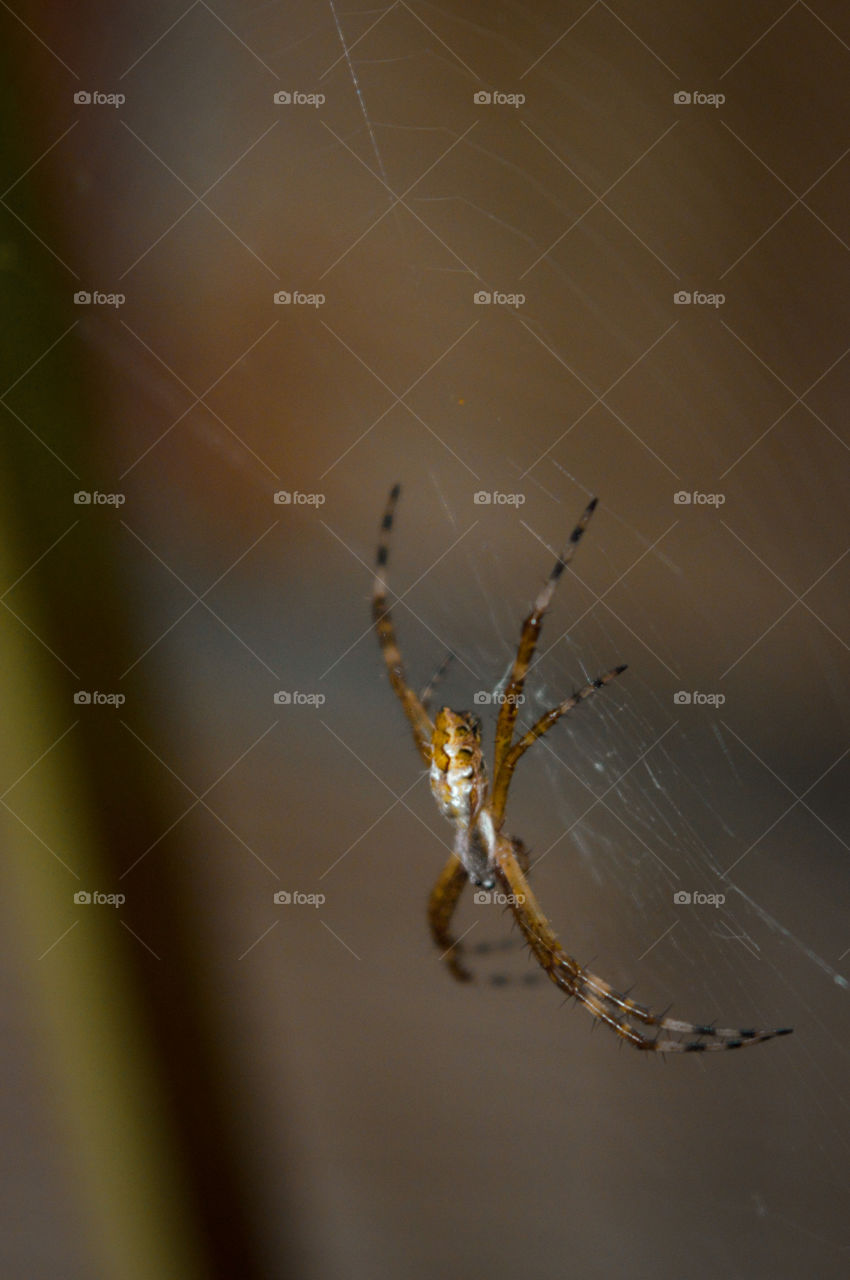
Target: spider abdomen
{"points": [[459, 785], [458, 774]]}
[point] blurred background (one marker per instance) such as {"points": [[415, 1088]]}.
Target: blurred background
{"points": [[259, 263]]}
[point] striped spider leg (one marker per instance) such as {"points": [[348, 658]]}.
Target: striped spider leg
{"points": [[450, 745]]}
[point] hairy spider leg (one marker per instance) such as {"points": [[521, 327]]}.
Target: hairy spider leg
{"points": [[441, 906], [596, 995], [420, 721], [528, 642], [543, 725], [428, 692]]}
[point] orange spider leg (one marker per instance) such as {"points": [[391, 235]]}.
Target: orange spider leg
{"points": [[528, 643], [442, 904], [441, 907], [428, 692], [419, 719], [597, 996], [543, 725]]}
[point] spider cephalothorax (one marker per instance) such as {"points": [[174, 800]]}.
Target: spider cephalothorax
{"points": [[483, 854]]}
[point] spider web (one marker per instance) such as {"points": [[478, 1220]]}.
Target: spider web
{"points": [[583, 389], [672, 803], [629, 802]]}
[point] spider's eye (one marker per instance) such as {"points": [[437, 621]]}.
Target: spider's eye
{"points": [[466, 752]]}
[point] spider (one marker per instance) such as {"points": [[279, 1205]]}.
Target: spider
{"points": [[450, 746]]}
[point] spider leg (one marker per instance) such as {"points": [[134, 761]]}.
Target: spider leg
{"points": [[600, 999], [528, 642], [597, 996], [543, 725], [441, 907], [414, 710], [427, 693], [442, 904]]}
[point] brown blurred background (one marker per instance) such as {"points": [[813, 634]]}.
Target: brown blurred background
{"points": [[202, 1081]]}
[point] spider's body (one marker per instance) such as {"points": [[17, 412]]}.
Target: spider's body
{"points": [[458, 772], [459, 785], [451, 748]]}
